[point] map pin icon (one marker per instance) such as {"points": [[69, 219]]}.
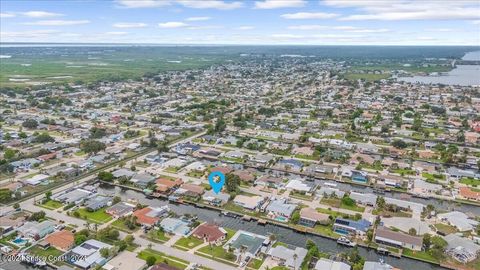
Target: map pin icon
{"points": [[216, 180]]}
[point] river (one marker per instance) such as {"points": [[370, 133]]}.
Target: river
{"points": [[283, 234], [464, 75]]}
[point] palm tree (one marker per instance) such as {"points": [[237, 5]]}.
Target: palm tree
{"points": [[295, 256]]}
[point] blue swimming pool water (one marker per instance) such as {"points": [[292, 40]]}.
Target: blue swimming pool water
{"points": [[19, 241]]}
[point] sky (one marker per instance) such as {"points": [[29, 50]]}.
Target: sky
{"points": [[265, 22]]}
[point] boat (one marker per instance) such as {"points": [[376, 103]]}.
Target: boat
{"points": [[383, 251], [346, 242]]}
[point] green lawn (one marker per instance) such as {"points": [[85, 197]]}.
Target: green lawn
{"points": [[326, 230], [218, 252], [158, 236], [470, 182], [433, 177], [50, 251], [334, 213], [51, 204], [446, 229], [187, 243], [162, 257], [421, 255], [365, 76], [338, 203], [172, 169], [99, 216], [119, 224], [255, 263]]}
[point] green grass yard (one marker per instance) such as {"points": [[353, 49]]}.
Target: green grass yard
{"points": [[163, 258], [51, 204], [99, 216], [187, 243]]}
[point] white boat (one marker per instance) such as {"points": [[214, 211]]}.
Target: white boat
{"points": [[346, 242]]}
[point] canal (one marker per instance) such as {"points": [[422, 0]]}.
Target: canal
{"points": [[283, 234]]}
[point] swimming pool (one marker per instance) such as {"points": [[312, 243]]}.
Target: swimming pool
{"points": [[281, 219], [19, 241]]}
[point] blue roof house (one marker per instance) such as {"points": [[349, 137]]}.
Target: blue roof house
{"points": [[351, 227]]}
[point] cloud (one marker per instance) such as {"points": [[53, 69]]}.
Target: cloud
{"points": [[287, 36], [309, 15], [27, 34], [40, 14], [142, 3], [172, 25], [440, 29], [196, 19], [215, 4], [245, 27], [114, 33], [271, 4], [7, 15], [409, 10], [307, 27], [129, 25], [58, 22]]}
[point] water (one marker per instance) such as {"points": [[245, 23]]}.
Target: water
{"points": [[283, 234], [464, 75]]}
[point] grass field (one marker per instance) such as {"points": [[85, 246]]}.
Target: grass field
{"points": [[99, 216], [163, 258], [366, 76], [51, 204], [158, 236], [187, 243], [31, 66]]}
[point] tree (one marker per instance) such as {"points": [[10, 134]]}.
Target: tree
{"points": [[105, 252], [105, 176], [36, 216], [30, 123], [232, 182], [116, 200], [48, 195], [412, 231], [16, 206], [151, 260], [43, 138], [129, 239], [96, 133], [80, 238], [399, 144], [380, 202], [92, 146], [427, 241], [9, 153], [295, 217]]}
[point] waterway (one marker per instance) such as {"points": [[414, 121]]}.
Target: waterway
{"points": [[285, 235], [463, 75]]}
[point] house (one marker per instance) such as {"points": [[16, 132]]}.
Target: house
{"points": [[359, 176], [390, 238], [304, 151], [269, 181], [351, 227], [123, 173], [175, 226], [97, 202], [424, 188], [186, 148], [462, 249], [163, 266], [262, 160], [224, 170], [310, 217], [12, 220], [300, 186], [291, 258], [150, 216], [210, 233], [36, 229], [456, 173], [469, 194], [244, 175], [192, 190], [248, 202], [280, 209], [120, 209], [216, 199], [458, 219], [326, 264], [165, 185], [125, 260], [142, 179], [472, 138], [35, 180], [290, 164], [247, 244], [75, 196], [90, 251], [329, 191], [62, 240]]}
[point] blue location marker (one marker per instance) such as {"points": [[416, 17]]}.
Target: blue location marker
{"points": [[217, 180]]}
